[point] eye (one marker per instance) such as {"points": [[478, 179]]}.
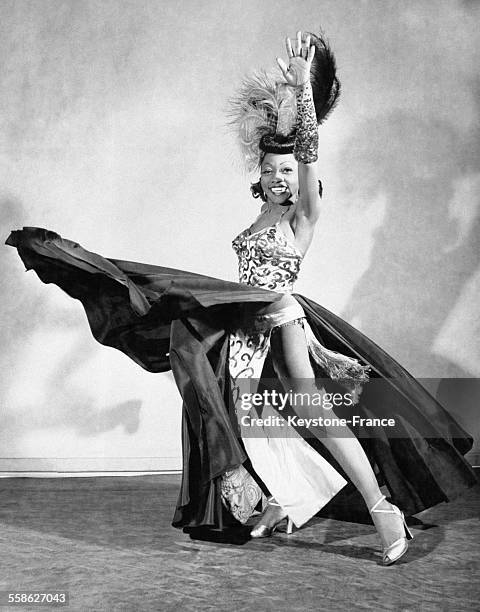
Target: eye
{"points": [[287, 170], [266, 170]]}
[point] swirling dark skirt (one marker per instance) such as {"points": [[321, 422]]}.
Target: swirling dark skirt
{"points": [[170, 319]]}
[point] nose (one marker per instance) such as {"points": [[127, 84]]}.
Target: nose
{"points": [[277, 175]]}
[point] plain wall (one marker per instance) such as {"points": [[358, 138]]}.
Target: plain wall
{"points": [[113, 133]]}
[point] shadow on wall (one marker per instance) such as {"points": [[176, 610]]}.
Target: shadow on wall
{"points": [[126, 414], [76, 407], [24, 313], [426, 252], [423, 254]]}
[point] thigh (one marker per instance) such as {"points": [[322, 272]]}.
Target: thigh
{"points": [[290, 356]]}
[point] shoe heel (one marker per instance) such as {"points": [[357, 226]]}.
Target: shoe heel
{"points": [[395, 551], [408, 533], [289, 526]]}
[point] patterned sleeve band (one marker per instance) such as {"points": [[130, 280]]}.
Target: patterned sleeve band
{"points": [[305, 148]]}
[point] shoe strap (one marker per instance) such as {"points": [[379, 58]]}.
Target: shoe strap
{"points": [[392, 510], [374, 507]]}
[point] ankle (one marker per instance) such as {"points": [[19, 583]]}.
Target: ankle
{"points": [[273, 514], [380, 504], [388, 522]]}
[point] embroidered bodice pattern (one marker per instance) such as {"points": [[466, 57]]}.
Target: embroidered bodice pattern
{"points": [[267, 259]]}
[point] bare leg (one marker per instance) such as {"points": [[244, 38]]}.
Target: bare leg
{"points": [[292, 364]]}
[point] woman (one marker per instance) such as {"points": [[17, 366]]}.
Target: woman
{"points": [[217, 335], [289, 187]]}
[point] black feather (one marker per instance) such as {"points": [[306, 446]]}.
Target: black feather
{"points": [[325, 84]]}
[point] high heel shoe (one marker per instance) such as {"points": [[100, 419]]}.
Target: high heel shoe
{"points": [[262, 530], [392, 552]]}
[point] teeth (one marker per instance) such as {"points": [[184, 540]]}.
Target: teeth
{"points": [[278, 189]]}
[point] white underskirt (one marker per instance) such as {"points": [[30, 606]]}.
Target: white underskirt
{"points": [[298, 477]]}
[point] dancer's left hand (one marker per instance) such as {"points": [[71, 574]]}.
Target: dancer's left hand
{"points": [[300, 59]]}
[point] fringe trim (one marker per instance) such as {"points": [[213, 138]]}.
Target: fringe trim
{"points": [[348, 371]]}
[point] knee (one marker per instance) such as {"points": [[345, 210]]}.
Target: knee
{"points": [[307, 401]]}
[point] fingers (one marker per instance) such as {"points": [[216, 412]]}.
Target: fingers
{"points": [[306, 47], [289, 47], [283, 67], [302, 48], [311, 54], [298, 48]]}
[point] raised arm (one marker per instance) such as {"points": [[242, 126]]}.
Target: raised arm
{"points": [[297, 74]]}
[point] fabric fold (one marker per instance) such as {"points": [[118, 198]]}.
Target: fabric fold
{"points": [[164, 319]]}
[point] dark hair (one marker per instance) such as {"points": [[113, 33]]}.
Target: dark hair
{"points": [[257, 191], [278, 144]]}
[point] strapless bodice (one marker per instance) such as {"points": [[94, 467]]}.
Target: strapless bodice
{"points": [[267, 259]]}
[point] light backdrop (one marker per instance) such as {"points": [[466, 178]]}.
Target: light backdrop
{"points": [[113, 133]]}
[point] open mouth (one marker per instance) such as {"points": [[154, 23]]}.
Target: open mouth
{"points": [[278, 190]]}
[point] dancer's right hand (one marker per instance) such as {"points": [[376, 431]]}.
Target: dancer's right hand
{"points": [[297, 72]]}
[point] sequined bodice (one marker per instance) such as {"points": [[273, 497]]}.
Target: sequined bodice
{"points": [[267, 259]]}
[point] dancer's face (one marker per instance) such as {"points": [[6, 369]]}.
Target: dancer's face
{"points": [[279, 177]]}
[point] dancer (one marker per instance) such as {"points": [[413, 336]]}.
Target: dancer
{"points": [[270, 253], [205, 330]]}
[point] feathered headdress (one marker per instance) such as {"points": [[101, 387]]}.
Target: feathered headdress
{"points": [[264, 110]]}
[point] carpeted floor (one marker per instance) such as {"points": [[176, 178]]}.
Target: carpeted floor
{"points": [[109, 542]]}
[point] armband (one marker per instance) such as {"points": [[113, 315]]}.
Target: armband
{"points": [[305, 149]]}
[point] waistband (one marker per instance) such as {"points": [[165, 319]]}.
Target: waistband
{"points": [[265, 322]]}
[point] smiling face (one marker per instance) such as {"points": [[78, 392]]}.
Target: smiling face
{"points": [[279, 177]]}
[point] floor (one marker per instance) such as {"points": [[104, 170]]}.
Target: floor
{"points": [[108, 541]]}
